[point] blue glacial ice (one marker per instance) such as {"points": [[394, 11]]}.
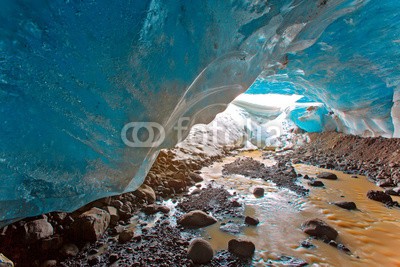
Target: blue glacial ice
{"points": [[73, 73]]}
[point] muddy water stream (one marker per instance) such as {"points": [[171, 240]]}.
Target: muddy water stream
{"points": [[372, 233]]}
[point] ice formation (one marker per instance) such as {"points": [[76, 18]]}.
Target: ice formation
{"points": [[73, 73]]}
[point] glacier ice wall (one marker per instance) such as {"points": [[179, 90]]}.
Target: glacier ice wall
{"points": [[73, 73], [353, 68]]}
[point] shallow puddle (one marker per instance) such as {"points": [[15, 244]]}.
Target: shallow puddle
{"points": [[371, 233]]}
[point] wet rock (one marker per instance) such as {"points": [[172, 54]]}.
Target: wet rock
{"points": [[37, 230], [393, 192], [306, 244], [385, 183], [251, 221], [320, 229], [153, 208], [126, 236], [196, 219], [147, 193], [316, 183], [333, 243], [307, 177], [241, 248], [354, 176], [346, 205], [327, 175], [344, 248], [200, 251], [69, 250], [91, 225], [258, 192], [48, 263], [379, 196], [196, 177]]}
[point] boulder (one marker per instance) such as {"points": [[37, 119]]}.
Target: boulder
{"points": [[200, 251], [37, 230], [327, 175], [51, 243], [320, 229], [126, 236], [196, 177], [379, 196], [241, 248], [90, 225], [114, 217], [251, 221], [196, 219], [346, 205], [154, 208], [316, 183], [258, 192], [147, 193]]}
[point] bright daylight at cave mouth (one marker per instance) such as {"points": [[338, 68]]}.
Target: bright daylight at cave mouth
{"points": [[200, 133]]}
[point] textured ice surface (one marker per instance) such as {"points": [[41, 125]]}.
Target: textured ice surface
{"points": [[73, 73]]}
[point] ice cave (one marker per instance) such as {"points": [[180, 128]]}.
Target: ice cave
{"points": [[85, 85]]}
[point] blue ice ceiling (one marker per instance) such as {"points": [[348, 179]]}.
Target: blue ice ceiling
{"points": [[73, 73]]}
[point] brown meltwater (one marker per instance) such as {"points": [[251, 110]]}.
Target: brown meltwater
{"points": [[371, 233]]}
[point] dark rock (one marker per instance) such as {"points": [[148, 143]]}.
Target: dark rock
{"points": [[327, 175], [333, 243], [126, 236], [251, 221], [37, 229], [379, 196], [196, 219], [346, 205], [385, 183], [113, 257], [258, 192], [69, 250], [236, 204], [94, 260], [114, 217], [320, 229], [51, 243], [306, 244], [196, 177], [91, 225], [241, 248], [154, 208], [200, 251], [316, 183], [146, 192], [344, 248]]}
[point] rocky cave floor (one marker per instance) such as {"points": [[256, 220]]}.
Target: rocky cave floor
{"points": [[136, 229]]}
